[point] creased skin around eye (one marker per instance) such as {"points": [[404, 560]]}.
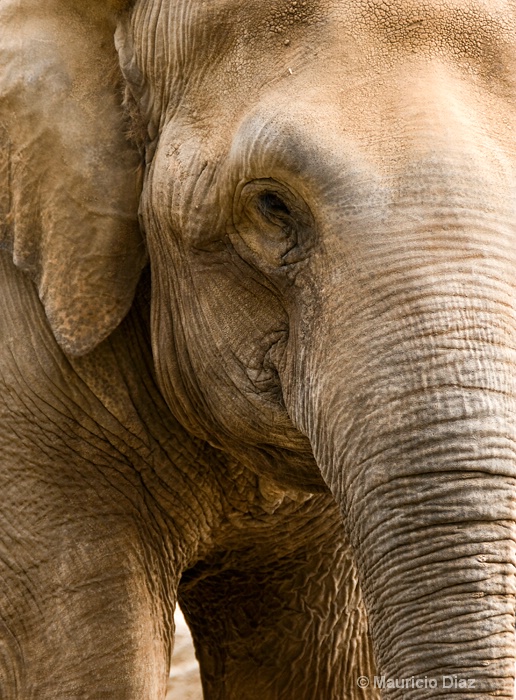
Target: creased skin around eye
{"points": [[269, 221]]}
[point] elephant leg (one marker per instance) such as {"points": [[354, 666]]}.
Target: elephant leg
{"points": [[286, 619], [79, 619]]}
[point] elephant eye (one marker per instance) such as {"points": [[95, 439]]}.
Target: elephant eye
{"points": [[273, 207], [270, 223]]}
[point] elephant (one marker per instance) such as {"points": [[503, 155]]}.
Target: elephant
{"points": [[258, 341]]}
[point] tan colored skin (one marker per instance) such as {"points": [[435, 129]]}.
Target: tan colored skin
{"points": [[328, 206], [110, 509]]}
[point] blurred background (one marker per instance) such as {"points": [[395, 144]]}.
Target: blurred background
{"points": [[184, 682]]}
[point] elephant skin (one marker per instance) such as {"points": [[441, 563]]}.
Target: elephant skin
{"points": [[258, 335]]}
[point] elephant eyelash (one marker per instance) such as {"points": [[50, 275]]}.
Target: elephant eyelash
{"points": [[272, 207]]}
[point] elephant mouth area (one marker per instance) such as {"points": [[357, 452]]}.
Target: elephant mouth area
{"points": [[288, 469]]}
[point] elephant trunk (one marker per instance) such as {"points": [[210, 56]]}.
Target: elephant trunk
{"points": [[435, 552], [413, 431]]}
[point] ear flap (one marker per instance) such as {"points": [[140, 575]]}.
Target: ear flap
{"points": [[69, 178]]}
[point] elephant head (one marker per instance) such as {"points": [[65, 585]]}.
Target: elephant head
{"points": [[329, 212]]}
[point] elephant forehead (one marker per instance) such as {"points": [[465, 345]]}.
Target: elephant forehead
{"points": [[393, 14], [399, 21], [196, 47], [476, 29]]}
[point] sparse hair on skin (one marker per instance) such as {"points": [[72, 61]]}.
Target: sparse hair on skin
{"points": [[136, 130]]}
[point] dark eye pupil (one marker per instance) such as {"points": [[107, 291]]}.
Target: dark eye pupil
{"points": [[270, 204]]}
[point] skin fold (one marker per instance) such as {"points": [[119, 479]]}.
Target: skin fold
{"points": [[257, 352]]}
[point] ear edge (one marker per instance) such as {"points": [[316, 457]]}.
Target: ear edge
{"points": [[84, 334]]}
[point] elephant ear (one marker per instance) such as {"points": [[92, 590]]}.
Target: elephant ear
{"points": [[69, 177]]}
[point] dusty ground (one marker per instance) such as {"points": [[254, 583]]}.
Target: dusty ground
{"points": [[184, 683]]}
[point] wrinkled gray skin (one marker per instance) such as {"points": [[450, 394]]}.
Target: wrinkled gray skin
{"points": [[326, 314]]}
